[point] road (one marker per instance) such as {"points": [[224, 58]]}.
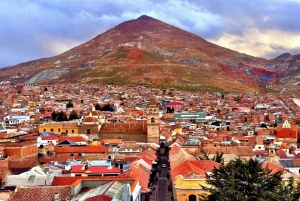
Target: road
{"points": [[161, 192]]}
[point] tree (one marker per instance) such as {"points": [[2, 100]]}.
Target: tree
{"points": [[204, 155], [61, 116], [241, 180], [54, 116], [69, 104], [289, 192], [97, 106], [73, 115], [107, 107], [216, 123]]}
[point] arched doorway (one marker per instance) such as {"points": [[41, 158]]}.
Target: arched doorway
{"points": [[192, 198]]}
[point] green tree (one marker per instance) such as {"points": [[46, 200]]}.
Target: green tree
{"points": [[73, 115], [61, 116], [241, 180], [97, 106], [69, 104], [204, 155], [54, 116]]}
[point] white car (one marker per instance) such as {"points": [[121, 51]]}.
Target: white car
{"points": [[164, 165]]}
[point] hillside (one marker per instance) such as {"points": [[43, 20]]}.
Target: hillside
{"points": [[150, 52]]}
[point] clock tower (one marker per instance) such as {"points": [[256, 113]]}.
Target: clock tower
{"points": [[153, 122]]}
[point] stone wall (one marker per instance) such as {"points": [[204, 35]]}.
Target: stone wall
{"points": [[138, 137], [82, 129]]}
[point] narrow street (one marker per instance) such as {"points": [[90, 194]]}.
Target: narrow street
{"points": [[160, 188]]}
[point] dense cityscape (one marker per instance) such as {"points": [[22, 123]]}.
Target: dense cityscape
{"points": [[105, 142], [150, 100]]}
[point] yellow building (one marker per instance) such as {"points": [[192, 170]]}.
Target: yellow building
{"points": [[60, 127], [188, 188], [31, 104], [188, 172]]}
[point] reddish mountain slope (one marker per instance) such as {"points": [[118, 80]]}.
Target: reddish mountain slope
{"points": [[148, 51]]}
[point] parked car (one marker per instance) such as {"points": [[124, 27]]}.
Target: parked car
{"points": [[164, 165]]}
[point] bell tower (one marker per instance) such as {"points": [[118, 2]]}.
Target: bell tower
{"points": [[153, 122]]}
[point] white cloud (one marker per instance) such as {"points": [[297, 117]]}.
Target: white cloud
{"points": [[267, 44]]}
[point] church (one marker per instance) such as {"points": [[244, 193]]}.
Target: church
{"points": [[139, 131]]}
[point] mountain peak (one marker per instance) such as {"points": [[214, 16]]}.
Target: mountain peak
{"points": [[284, 56], [145, 17]]}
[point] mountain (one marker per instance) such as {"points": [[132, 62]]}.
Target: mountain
{"points": [[289, 66], [147, 51], [283, 56]]}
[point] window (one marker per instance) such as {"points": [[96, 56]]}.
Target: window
{"points": [[88, 131], [44, 129], [73, 131], [66, 131], [59, 130], [152, 120], [51, 129]]}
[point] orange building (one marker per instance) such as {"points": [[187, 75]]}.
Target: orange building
{"points": [[287, 130]]}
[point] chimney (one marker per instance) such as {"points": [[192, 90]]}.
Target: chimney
{"points": [[56, 196]]}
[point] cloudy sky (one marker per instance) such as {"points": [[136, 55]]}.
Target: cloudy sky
{"points": [[32, 29]]}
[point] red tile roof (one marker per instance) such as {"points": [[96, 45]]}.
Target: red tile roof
{"points": [[139, 171], [80, 149], [71, 138], [59, 158], [237, 150], [41, 193], [112, 141], [50, 138], [147, 160], [150, 153], [271, 166], [194, 169]]}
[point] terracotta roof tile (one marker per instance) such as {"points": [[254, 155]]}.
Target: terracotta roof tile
{"points": [[237, 150], [296, 162], [41, 193], [80, 149], [194, 169], [68, 180], [71, 138], [50, 137], [59, 158], [271, 166], [138, 171]]}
